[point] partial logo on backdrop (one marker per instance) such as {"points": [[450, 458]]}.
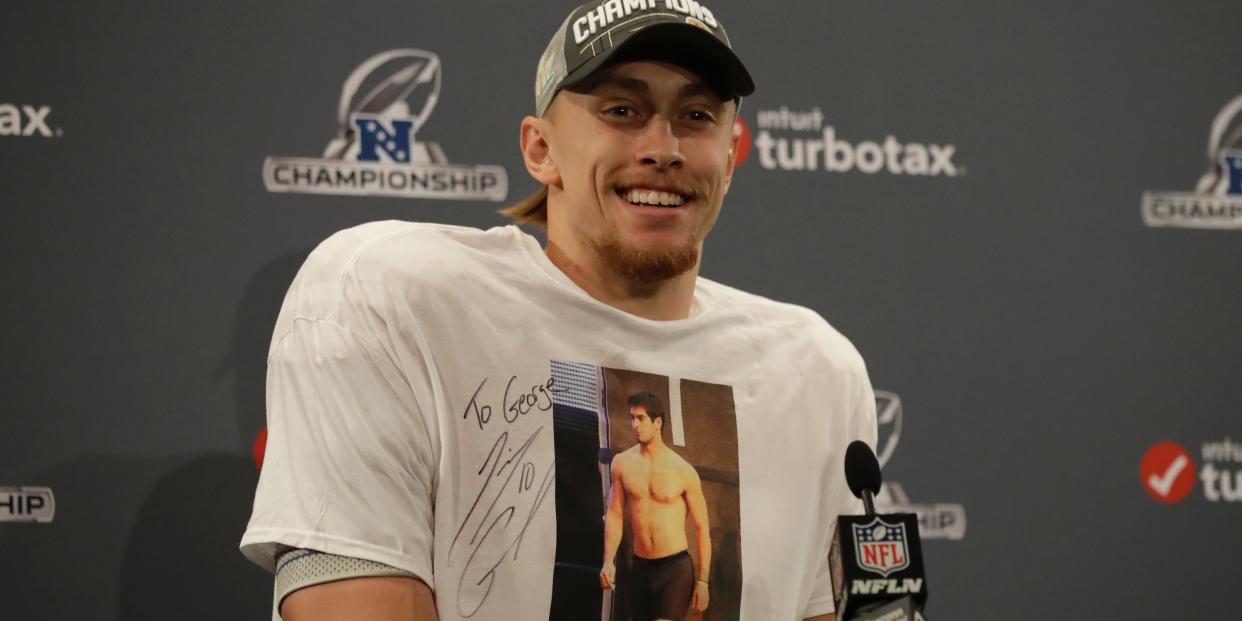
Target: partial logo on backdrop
{"points": [[939, 520], [27, 504], [384, 105], [793, 140], [881, 547], [27, 120], [1216, 202], [1168, 471]]}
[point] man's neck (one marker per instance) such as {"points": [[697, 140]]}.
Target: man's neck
{"points": [[652, 448], [666, 300]]}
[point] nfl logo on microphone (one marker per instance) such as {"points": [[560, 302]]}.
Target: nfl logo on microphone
{"points": [[881, 547]]}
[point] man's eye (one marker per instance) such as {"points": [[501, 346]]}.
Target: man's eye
{"points": [[620, 111], [700, 115]]}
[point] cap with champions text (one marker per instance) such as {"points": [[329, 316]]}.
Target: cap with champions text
{"points": [[604, 32]]}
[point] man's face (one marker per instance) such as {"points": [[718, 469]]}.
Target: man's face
{"points": [[645, 157], [645, 429]]}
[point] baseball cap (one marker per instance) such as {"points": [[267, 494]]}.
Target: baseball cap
{"points": [[603, 32]]}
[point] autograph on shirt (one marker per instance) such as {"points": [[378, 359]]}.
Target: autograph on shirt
{"points": [[489, 531], [537, 397]]}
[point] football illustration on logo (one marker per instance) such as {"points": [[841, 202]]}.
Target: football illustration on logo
{"points": [[1224, 174], [384, 91]]}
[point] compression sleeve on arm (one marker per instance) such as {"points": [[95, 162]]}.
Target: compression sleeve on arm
{"points": [[298, 568]]}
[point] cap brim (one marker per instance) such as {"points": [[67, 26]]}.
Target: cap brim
{"points": [[679, 43]]}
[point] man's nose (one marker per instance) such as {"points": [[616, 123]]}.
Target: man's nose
{"points": [[660, 147]]}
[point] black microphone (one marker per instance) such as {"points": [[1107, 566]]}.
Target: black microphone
{"points": [[876, 561], [862, 473]]}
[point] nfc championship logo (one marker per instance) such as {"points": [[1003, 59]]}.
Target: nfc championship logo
{"points": [[27, 504], [880, 547], [939, 520], [1216, 202], [384, 104]]}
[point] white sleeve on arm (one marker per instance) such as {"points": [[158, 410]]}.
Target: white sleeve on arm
{"points": [[349, 467], [860, 426]]}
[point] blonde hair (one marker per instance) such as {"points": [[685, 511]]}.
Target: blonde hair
{"points": [[531, 210]]}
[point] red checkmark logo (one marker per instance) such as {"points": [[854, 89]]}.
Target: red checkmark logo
{"points": [[1167, 472], [743, 145]]}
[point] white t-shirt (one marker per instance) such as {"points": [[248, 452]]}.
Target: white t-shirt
{"points": [[413, 378]]}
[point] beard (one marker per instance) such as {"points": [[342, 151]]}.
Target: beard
{"points": [[645, 266]]}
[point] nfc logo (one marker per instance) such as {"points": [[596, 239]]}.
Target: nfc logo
{"points": [[374, 137], [27, 504], [1232, 162]]}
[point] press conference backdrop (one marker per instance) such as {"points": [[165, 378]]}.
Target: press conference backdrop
{"points": [[1027, 216]]}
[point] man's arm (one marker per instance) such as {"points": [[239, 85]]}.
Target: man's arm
{"points": [[375, 598], [697, 505], [614, 522]]}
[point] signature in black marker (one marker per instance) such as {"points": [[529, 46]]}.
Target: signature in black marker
{"points": [[509, 480]]}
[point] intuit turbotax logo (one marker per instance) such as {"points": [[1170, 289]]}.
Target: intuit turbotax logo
{"points": [[384, 104], [1216, 202], [801, 140], [27, 120], [1168, 471]]}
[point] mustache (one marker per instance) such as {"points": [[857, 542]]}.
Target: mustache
{"points": [[667, 183]]}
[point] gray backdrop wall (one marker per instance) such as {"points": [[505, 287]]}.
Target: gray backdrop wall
{"points": [[1065, 371]]}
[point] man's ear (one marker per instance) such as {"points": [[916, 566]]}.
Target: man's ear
{"points": [[735, 143], [537, 152]]}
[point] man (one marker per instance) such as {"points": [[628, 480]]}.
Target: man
{"points": [[658, 488], [409, 451]]}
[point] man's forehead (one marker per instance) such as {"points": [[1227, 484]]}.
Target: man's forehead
{"points": [[648, 76]]}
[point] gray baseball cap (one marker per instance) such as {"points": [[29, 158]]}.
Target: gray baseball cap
{"points": [[600, 33]]}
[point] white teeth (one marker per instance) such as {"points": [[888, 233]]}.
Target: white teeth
{"points": [[653, 197]]}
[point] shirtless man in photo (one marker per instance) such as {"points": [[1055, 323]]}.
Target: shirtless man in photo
{"points": [[658, 488]]}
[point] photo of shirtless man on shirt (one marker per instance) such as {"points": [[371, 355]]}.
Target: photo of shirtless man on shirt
{"points": [[655, 489]]}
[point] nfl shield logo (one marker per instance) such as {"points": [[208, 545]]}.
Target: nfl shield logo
{"points": [[880, 547]]}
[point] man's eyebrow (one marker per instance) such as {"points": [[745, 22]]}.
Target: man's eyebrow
{"points": [[697, 88]]}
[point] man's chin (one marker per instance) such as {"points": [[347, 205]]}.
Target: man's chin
{"points": [[646, 264]]}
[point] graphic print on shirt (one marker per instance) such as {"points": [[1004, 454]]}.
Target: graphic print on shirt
{"points": [[646, 492]]}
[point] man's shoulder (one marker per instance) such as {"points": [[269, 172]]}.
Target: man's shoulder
{"points": [[687, 469], [621, 461], [628, 454], [392, 250], [783, 323]]}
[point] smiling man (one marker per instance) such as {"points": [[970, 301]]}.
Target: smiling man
{"points": [[410, 455]]}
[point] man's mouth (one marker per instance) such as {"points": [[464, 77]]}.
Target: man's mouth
{"points": [[648, 197]]}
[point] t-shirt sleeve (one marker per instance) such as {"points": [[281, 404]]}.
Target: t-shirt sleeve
{"points": [[860, 425], [349, 467]]}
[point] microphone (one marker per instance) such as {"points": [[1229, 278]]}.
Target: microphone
{"points": [[876, 561], [862, 473]]}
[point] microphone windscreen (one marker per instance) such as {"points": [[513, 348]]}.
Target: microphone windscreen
{"points": [[862, 470]]}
